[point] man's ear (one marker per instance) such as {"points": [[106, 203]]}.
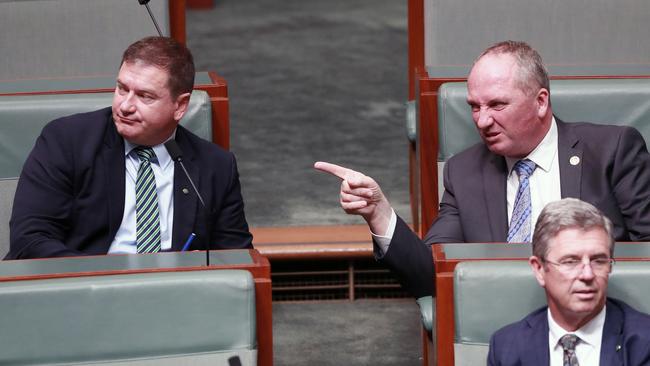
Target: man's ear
{"points": [[182, 102], [543, 102], [538, 269]]}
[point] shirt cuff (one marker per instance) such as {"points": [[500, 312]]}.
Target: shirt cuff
{"points": [[383, 241]]}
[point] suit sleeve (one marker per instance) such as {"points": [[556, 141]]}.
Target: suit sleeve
{"points": [[43, 200], [631, 183], [230, 229], [410, 260]]}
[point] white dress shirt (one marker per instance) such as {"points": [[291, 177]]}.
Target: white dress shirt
{"points": [[163, 169], [588, 347], [544, 184]]}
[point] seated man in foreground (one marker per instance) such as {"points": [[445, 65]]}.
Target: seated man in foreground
{"points": [[573, 249], [104, 182], [528, 157]]}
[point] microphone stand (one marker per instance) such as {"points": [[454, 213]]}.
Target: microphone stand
{"points": [[177, 155], [155, 23]]}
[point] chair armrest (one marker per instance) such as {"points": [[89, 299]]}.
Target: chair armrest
{"points": [[426, 311]]}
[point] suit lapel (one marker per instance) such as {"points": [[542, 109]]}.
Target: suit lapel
{"points": [[115, 173], [494, 177], [610, 348], [535, 351], [185, 201], [569, 160]]}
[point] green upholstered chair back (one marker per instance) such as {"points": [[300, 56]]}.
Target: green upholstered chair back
{"points": [[491, 294], [172, 318], [23, 117], [612, 101], [7, 191]]}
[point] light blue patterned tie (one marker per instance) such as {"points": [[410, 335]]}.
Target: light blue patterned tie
{"points": [[520, 222], [146, 204], [568, 343]]}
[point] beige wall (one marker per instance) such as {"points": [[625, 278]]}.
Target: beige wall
{"points": [[564, 31], [55, 38]]}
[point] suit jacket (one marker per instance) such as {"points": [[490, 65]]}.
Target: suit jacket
{"points": [[70, 196], [613, 175], [625, 342]]}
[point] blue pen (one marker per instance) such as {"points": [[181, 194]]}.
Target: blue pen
{"points": [[188, 242]]}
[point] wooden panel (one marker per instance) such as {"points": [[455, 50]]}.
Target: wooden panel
{"points": [[313, 242], [415, 42], [218, 92], [200, 4], [177, 20]]}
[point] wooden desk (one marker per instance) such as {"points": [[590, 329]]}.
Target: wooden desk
{"points": [[445, 258], [250, 260]]}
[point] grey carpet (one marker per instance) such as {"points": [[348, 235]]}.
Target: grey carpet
{"points": [[309, 80], [364, 332], [317, 80]]}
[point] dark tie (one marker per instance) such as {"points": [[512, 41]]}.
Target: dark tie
{"points": [[520, 222], [146, 204], [568, 343]]}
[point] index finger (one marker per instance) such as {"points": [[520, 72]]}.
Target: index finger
{"points": [[333, 169]]}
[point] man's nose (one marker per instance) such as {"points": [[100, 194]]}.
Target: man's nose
{"points": [[128, 103], [587, 272], [484, 118]]}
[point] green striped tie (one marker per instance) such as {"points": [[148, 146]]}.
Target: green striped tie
{"points": [[146, 204]]}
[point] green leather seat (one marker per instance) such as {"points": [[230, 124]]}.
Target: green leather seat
{"points": [[491, 294], [23, 117], [612, 101], [172, 318]]}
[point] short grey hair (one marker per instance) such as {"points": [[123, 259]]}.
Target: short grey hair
{"points": [[568, 213], [532, 74]]}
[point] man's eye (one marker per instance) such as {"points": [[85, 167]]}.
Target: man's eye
{"points": [[569, 262], [600, 261]]}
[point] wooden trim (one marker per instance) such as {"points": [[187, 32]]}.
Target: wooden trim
{"points": [[415, 42], [200, 4], [218, 92], [313, 242], [177, 20]]}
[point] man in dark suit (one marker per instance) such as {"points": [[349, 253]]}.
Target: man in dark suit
{"points": [[77, 191], [573, 248], [508, 91]]}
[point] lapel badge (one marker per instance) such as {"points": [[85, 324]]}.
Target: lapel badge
{"points": [[185, 191], [618, 347], [574, 160]]}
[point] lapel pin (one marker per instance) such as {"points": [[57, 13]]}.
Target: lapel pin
{"points": [[618, 347], [185, 191], [574, 160]]}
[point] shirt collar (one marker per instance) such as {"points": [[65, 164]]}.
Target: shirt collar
{"points": [[544, 154], [590, 333], [162, 155]]}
